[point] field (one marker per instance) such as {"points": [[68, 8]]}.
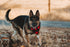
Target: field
{"points": [[51, 37]]}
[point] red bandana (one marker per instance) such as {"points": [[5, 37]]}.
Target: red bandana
{"points": [[36, 32]]}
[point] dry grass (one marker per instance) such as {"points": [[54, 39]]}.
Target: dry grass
{"points": [[59, 8], [58, 14], [55, 17], [51, 37]]}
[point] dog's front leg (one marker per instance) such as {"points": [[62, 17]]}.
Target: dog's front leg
{"points": [[20, 32], [40, 38], [28, 41]]}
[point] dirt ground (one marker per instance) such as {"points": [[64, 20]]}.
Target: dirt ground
{"points": [[51, 37]]}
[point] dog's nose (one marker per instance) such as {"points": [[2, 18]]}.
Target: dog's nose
{"points": [[34, 24]]}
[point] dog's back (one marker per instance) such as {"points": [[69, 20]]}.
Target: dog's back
{"points": [[20, 20]]}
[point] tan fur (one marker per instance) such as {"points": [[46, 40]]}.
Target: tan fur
{"points": [[21, 31]]}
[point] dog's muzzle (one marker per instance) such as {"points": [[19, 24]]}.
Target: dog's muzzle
{"points": [[34, 24]]}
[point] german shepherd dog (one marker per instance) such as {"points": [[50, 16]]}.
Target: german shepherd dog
{"points": [[30, 24]]}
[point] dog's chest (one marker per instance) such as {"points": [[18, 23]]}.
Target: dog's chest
{"points": [[29, 31]]}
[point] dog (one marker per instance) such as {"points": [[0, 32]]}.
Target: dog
{"points": [[30, 24]]}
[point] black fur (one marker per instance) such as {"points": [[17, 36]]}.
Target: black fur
{"points": [[20, 20], [7, 17], [24, 19]]}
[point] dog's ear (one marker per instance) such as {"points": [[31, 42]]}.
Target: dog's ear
{"points": [[37, 13], [31, 13]]}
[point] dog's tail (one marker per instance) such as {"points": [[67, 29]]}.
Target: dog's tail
{"points": [[7, 15]]}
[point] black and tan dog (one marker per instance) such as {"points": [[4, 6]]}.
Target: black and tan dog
{"points": [[30, 24]]}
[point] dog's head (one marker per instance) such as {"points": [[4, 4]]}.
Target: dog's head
{"points": [[34, 19]]}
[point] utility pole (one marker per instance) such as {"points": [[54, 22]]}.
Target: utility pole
{"points": [[49, 6]]}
